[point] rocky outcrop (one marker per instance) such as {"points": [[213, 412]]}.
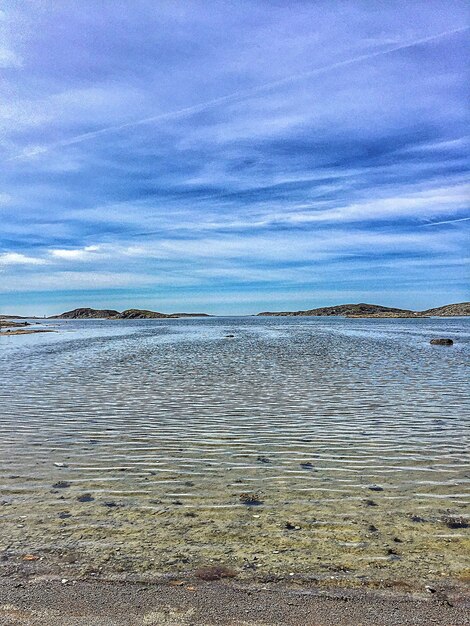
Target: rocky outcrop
{"points": [[85, 314], [360, 309], [375, 310], [449, 310], [443, 341], [128, 314], [139, 314]]}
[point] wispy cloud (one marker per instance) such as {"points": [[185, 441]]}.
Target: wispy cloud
{"points": [[215, 151], [233, 97]]}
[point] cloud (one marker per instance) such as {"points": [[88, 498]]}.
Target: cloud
{"points": [[8, 58], [234, 150], [88, 253], [16, 258], [237, 96]]}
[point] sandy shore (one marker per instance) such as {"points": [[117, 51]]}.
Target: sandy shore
{"points": [[40, 602]]}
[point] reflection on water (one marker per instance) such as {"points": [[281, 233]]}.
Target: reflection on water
{"points": [[330, 447]]}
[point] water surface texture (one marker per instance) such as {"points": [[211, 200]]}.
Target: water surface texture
{"points": [[329, 447]]}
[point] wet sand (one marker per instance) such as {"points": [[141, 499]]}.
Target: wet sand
{"points": [[45, 602]]}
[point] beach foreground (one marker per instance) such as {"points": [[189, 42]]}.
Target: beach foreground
{"points": [[40, 602]]}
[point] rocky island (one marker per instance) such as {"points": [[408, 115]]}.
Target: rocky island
{"points": [[377, 311], [128, 314]]}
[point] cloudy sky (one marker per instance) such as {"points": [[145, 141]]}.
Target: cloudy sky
{"points": [[232, 156]]}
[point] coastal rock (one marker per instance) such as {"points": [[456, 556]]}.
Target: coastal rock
{"points": [[449, 310], [442, 341]]}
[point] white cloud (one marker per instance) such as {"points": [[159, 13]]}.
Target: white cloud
{"points": [[79, 254], [8, 58], [15, 258]]}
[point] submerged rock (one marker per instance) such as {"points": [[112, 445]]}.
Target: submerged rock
{"points": [[456, 522], [250, 499], [290, 526], [86, 497], [442, 341]]}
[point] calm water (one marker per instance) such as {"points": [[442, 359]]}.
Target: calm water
{"points": [[126, 447]]}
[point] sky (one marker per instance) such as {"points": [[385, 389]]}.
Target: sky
{"points": [[233, 157]]}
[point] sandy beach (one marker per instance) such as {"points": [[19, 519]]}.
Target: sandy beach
{"points": [[51, 602]]}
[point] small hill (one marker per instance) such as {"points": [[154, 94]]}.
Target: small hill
{"points": [[449, 310], [191, 315], [348, 309], [128, 314], [141, 314], [84, 314]]}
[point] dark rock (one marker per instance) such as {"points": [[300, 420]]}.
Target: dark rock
{"points": [[290, 526], [263, 459], [229, 336], [376, 488], [373, 529], [306, 465], [370, 503], [250, 499], [441, 342], [456, 522], [64, 515], [61, 484], [86, 497]]}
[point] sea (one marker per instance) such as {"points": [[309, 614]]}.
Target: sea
{"points": [[298, 448]]}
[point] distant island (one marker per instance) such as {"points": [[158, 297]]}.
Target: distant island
{"points": [[128, 314], [375, 310], [360, 310]]}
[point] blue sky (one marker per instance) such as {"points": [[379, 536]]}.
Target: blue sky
{"points": [[232, 157]]}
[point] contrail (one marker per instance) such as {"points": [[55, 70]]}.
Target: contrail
{"points": [[232, 97], [459, 219]]}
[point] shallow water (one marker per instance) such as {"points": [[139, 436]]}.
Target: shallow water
{"points": [[350, 433]]}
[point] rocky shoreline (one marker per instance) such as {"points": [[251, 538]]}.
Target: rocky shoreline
{"points": [[41, 601], [9, 328]]}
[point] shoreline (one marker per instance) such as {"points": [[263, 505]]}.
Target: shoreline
{"points": [[52, 601]]}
